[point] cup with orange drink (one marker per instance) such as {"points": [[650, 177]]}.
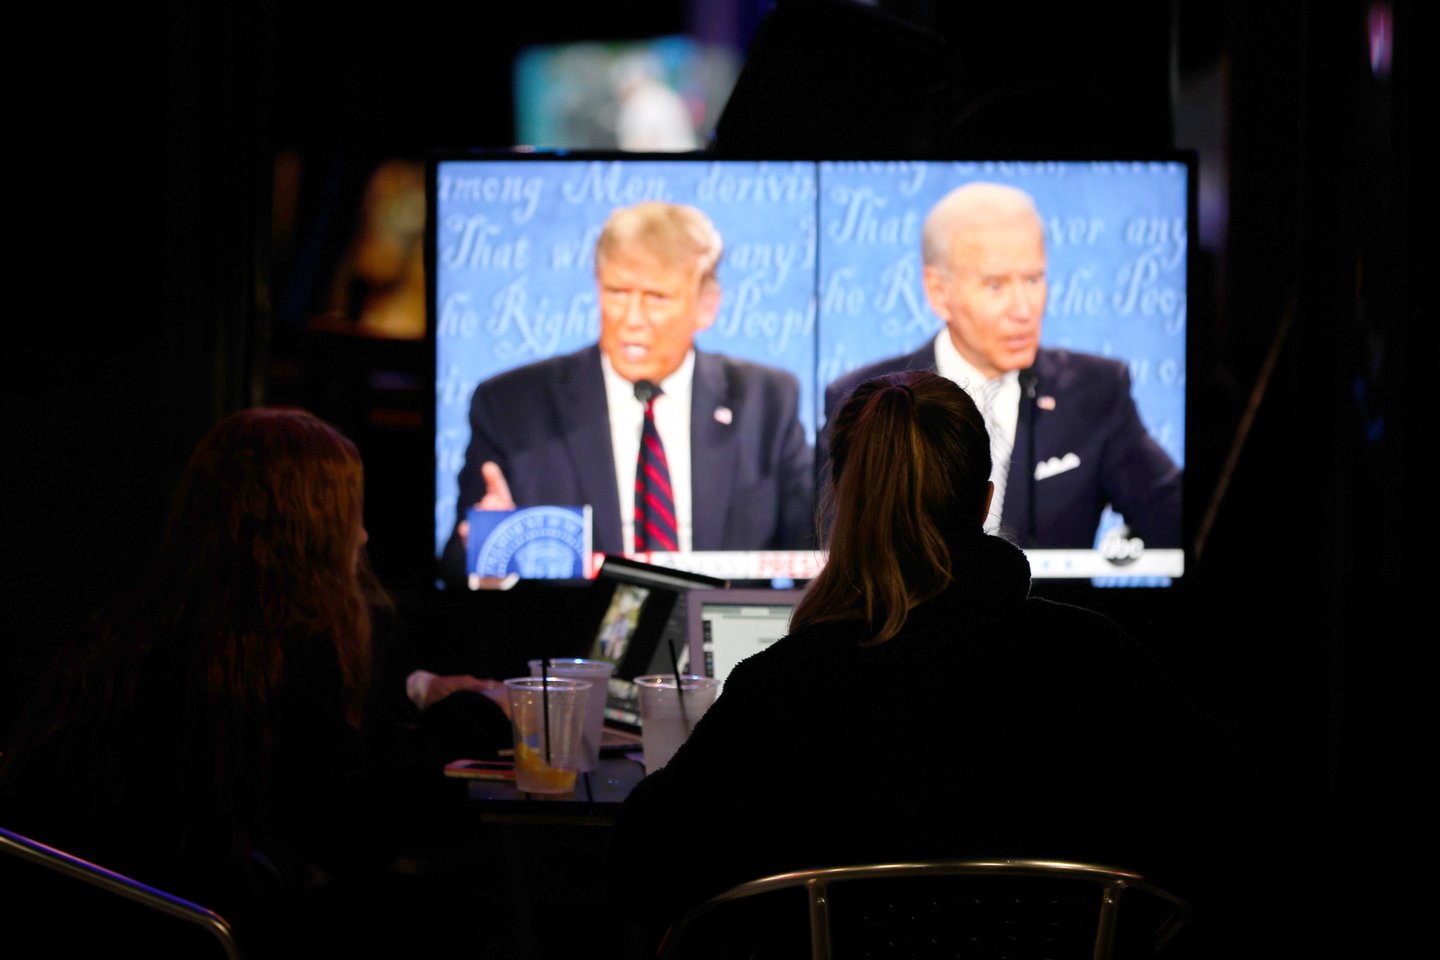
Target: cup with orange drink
{"points": [[547, 715]]}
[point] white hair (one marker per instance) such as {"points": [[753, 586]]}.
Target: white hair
{"points": [[965, 206]]}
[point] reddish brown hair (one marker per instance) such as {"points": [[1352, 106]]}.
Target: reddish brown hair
{"points": [[264, 542], [263, 553]]}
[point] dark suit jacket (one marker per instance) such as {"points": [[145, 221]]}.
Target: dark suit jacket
{"points": [[1079, 404], [548, 427]]}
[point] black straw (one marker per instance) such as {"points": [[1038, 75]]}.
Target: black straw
{"points": [[545, 704], [679, 682]]}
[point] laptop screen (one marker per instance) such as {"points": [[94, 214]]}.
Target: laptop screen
{"points": [[640, 628], [724, 627]]}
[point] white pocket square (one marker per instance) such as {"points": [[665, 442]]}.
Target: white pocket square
{"points": [[1049, 468]]}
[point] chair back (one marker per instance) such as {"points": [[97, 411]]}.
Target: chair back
{"points": [[78, 902], [954, 908]]}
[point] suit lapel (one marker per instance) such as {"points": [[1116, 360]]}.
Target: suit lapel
{"points": [[1019, 481], [583, 411], [712, 453]]}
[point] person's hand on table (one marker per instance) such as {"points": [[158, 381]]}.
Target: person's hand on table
{"points": [[425, 689]]}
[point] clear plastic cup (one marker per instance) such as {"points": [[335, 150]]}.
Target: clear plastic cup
{"points": [[598, 673], [668, 712], [547, 715]]}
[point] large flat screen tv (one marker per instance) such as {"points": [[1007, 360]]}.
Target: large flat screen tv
{"points": [[821, 274]]}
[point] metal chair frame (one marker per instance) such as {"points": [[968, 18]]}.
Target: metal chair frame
{"points": [[117, 883], [1113, 882]]}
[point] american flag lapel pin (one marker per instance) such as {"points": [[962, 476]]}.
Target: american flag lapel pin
{"points": [[1045, 402], [723, 415]]}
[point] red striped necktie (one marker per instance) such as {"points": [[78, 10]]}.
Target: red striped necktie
{"points": [[655, 527]]}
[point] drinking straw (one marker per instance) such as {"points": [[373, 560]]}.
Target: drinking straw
{"points": [[679, 684], [545, 704]]}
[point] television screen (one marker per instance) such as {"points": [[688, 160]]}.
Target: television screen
{"points": [[820, 278], [1109, 304]]}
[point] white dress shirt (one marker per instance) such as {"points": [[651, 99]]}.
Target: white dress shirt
{"points": [[1004, 416]]}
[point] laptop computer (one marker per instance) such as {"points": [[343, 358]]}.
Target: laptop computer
{"points": [[639, 627], [723, 627]]}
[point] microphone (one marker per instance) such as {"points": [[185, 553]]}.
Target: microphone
{"points": [[644, 390], [1029, 386]]}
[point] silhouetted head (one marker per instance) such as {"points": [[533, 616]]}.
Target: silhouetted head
{"points": [[264, 547], [271, 493], [262, 565], [910, 478]]}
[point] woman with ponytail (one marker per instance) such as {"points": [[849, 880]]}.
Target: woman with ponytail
{"points": [[912, 457], [924, 705]]}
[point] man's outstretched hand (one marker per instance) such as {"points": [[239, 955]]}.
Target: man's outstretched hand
{"points": [[497, 496]]}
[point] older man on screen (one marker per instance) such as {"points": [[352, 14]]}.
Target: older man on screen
{"points": [[1066, 437], [674, 448]]}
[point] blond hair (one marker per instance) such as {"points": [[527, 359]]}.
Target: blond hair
{"points": [[680, 235]]}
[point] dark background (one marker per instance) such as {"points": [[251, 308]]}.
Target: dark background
{"points": [[149, 297]]}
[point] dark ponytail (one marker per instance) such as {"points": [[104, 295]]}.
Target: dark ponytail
{"points": [[910, 464]]}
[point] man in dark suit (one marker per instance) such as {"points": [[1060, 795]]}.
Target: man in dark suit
{"points": [[568, 430], [1065, 434]]}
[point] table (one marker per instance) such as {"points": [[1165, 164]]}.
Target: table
{"points": [[596, 801], [550, 853]]}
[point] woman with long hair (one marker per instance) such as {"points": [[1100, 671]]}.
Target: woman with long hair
{"points": [[924, 706], [912, 457], [205, 734]]}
